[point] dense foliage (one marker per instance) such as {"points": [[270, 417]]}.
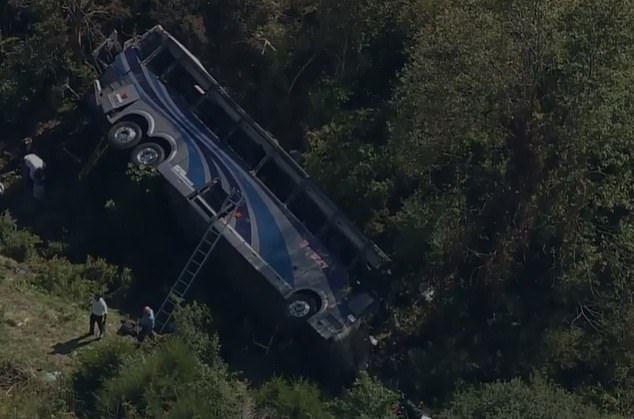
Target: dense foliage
{"points": [[485, 144]]}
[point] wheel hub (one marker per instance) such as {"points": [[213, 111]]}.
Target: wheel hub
{"points": [[147, 156], [125, 135], [299, 308]]}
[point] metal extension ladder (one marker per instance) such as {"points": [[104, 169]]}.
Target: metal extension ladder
{"points": [[197, 260]]}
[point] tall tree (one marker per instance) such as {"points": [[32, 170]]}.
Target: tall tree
{"points": [[511, 119]]}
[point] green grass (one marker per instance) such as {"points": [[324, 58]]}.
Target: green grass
{"points": [[35, 324]]}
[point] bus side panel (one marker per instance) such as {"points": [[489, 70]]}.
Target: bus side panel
{"points": [[262, 296]]}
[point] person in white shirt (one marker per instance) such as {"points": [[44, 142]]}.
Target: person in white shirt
{"points": [[98, 315], [147, 324], [33, 163], [34, 167]]}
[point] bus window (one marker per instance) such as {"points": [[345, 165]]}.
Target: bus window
{"points": [[276, 179], [244, 146], [307, 212], [149, 44], [216, 119], [215, 196], [182, 83], [339, 245], [161, 62]]}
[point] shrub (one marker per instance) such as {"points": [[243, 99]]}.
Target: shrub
{"points": [[78, 281], [517, 399], [95, 369], [16, 243], [194, 326], [367, 399], [171, 382], [60, 277], [215, 395], [298, 399]]}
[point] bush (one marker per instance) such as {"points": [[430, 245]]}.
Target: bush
{"points": [[16, 243], [95, 369], [517, 399], [77, 281], [148, 383], [194, 326], [367, 399], [216, 394], [53, 272], [172, 382], [293, 399]]}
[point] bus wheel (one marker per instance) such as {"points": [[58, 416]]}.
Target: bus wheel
{"points": [[301, 306], [124, 135], [148, 154]]}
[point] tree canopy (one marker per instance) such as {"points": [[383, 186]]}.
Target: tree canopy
{"points": [[486, 145]]}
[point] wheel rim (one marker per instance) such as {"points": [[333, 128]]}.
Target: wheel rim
{"points": [[299, 308], [147, 156], [125, 135]]}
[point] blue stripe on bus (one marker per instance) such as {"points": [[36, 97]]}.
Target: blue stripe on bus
{"points": [[195, 170], [273, 248], [192, 136], [243, 223], [243, 226], [155, 91], [271, 238], [269, 233]]}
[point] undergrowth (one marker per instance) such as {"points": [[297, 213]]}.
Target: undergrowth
{"points": [[49, 270]]}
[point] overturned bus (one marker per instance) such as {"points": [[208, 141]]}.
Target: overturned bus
{"points": [[164, 108]]}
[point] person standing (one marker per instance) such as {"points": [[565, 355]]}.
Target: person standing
{"points": [[33, 174], [147, 324], [98, 315]]}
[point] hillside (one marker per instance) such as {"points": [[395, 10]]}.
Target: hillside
{"points": [[50, 368], [41, 331], [486, 146]]}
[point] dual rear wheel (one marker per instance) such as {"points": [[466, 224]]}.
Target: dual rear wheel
{"points": [[128, 135]]}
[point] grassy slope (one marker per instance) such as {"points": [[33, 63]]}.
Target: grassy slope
{"points": [[38, 328]]}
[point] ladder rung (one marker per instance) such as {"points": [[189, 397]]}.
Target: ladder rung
{"points": [[206, 247], [201, 253], [182, 286], [180, 281], [175, 298]]}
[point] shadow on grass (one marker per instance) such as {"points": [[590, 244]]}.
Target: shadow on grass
{"points": [[65, 348]]}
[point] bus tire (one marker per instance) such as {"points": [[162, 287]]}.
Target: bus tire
{"points": [[301, 306], [148, 154], [125, 135]]}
